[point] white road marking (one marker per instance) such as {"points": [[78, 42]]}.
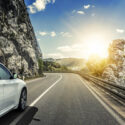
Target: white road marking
{"points": [[117, 117], [35, 101]]}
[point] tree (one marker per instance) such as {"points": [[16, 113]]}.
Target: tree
{"points": [[40, 63], [53, 66]]}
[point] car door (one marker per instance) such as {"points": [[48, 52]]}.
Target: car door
{"points": [[9, 88], [1, 94]]}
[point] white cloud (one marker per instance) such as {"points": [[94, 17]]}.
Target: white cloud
{"points": [[120, 30], [66, 34], [93, 6], [32, 9], [86, 6], [65, 48], [53, 34], [80, 12], [54, 55], [39, 5], [43, 33], [72, 48]]}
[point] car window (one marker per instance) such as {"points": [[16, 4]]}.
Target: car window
{"points": [[4, 73]]}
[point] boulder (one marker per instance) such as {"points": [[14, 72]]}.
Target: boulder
{"points": [[115, 71]]}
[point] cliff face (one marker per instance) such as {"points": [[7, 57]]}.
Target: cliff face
{"points": [[19, 50], [116, 70]]}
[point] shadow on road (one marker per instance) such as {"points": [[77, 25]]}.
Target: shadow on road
{"points": [[25, 119]]}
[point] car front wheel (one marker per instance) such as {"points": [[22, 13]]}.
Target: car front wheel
{"points": [[23, 100]]}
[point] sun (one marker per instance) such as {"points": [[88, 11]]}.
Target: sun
{"points": [[96, 45], [97, 48]]}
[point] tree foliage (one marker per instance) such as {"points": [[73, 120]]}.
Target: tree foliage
{"points": [[40, 63], [96, 65], [53, 66]]}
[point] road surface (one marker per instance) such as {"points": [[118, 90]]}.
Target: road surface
{"points": [[60, 99]]}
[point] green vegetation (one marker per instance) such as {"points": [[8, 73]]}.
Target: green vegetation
{"points": [[53, 67], [50, 66], [40, 63]]}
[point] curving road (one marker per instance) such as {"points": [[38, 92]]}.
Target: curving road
{"points": [[60, 99]]}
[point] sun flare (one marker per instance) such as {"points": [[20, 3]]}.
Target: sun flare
{"points": [[96, 45], [97, 49]]}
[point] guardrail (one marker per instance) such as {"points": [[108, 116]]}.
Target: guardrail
{"points": [[114, 89]]}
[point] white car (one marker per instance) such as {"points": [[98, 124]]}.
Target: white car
{"points": [[13, 92]]}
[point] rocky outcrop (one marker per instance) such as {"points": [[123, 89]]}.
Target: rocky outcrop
{"points": [[115, 71], [19, 49]]}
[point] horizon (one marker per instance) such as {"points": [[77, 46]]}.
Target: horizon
{"points": [[65, 58], [76, 29]]}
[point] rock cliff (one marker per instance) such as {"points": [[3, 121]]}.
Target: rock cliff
{"points": [[115, 71], [19, 49]]}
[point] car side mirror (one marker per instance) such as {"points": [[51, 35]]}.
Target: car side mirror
{"points": [[15, 75]]}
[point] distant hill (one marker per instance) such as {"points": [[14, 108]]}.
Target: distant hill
{"points": [[49, 59], [72, 63]]}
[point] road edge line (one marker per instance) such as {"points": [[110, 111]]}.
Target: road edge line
{"points": [[113, 114], [33, 80]]}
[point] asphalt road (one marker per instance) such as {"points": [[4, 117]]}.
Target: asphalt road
{"points": [[60, 99]]}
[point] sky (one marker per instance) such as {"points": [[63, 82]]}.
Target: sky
{"points": [[76, 28]]}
